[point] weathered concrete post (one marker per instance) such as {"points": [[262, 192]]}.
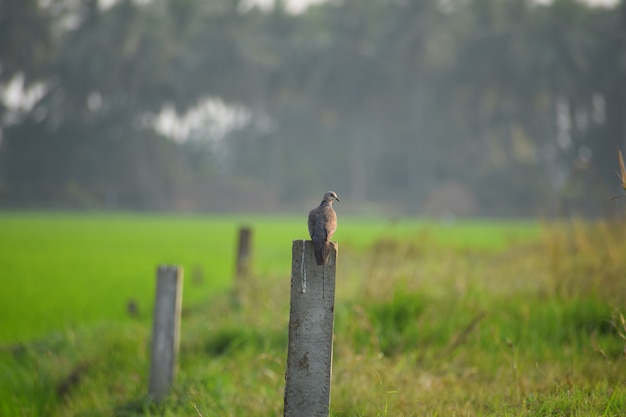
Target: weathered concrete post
{"points": [[242, 266], [244, 252], [311, 321], [165, 331]]}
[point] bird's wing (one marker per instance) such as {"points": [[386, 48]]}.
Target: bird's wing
{"points": [[330, 222], [312, 218]]}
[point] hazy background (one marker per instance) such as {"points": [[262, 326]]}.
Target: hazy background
{"points": [[430, 107]]}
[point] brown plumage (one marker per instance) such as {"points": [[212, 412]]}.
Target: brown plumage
{"points": [[322, 226]]}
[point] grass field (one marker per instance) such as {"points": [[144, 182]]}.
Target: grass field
{"points": [[65, 270], [468, 319]]}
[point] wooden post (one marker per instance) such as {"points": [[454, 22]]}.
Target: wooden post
{"points": [[311, 320], [244, 251], [165, 331]]}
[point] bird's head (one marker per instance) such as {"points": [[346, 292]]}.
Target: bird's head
{"points": [[331, 196]]}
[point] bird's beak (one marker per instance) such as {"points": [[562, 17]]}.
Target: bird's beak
{"points": [[337, 198]]}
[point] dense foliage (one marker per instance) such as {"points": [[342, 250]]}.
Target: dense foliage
{"points": [[514, 107]]}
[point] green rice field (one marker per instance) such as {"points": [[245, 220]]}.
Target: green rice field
{"points": [[65, 270]]}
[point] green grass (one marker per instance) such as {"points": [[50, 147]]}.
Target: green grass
{"points": [[71, 270], [61, 270], [473, 319]]}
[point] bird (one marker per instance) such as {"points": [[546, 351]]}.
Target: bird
{"points": [[322, 226]]}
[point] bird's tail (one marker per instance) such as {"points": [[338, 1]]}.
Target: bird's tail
{"points": [[321, 249]]}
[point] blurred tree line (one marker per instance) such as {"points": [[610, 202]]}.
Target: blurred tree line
{"points": [[492, 107]]}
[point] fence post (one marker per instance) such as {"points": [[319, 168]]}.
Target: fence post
{"points": [[242, 266], [244, 251], [311, 320], [165, 331]]}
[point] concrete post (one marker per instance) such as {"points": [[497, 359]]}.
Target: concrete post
{"points": [[166, 331], [311, 321], [244, 252]]}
